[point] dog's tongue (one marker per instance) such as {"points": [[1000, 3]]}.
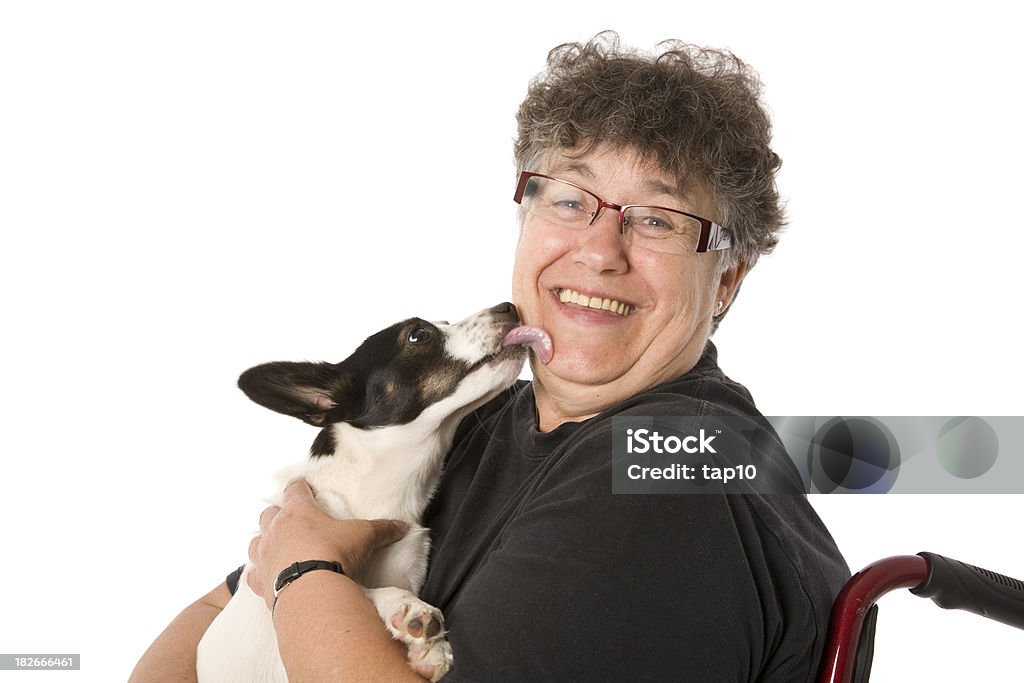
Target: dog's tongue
{"points": [[532, 337]]}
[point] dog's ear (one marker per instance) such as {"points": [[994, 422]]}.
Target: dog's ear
{"points": [[316, 393]]}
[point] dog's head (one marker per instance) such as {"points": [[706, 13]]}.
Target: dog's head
{"points": [[412, 370]]}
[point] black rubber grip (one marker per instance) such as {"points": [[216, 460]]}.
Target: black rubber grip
{"points": [[952, 584]]}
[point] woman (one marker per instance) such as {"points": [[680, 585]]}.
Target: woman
{"points": [[629, 166]]}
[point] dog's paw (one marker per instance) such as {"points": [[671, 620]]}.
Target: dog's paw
{"points": [[431, 659], [416, 622], [419, 625]]}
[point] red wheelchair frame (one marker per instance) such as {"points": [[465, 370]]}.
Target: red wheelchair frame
{"points": [[951, 584]]}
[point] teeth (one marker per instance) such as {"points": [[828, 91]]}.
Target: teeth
{"points": [[569, 296]]}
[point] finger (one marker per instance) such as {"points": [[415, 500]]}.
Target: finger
{"points": [[387, 531], [298, 490], [254, 546], [254, 583], [267, 516]]}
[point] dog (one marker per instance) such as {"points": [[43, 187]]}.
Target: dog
{"points": [[387, 415]]}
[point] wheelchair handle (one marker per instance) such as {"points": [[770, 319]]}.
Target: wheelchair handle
{"points": [[949, 583], [952, 584]]}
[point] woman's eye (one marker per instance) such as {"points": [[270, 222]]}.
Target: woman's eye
{"points": [[570, 210], [569, 205], [656, 223], [568, 199], [419, 335], [649, 224]]}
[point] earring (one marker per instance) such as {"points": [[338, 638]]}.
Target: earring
{"points": [[721, 305]]}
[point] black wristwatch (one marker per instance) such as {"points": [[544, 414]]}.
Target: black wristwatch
{"points": [[294, 571]]}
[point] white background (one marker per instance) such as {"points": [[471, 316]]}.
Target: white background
{"points": [[188, 189]]}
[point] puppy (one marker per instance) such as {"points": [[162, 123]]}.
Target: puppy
{"points": [[387, 415]]}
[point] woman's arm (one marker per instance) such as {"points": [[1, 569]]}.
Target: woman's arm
{"points": [[172, 656], [327, 629]]}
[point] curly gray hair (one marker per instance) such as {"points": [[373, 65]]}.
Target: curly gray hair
{"points": [[696, 111]]}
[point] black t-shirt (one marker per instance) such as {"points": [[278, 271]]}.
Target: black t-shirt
{"points": [[544, 574]]}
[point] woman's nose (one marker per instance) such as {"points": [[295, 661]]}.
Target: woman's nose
{"points": [[601, 246]]}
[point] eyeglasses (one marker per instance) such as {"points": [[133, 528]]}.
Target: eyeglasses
{"points": [[561, 203]]}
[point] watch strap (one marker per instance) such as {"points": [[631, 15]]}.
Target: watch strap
{"points": [[297, 569]]}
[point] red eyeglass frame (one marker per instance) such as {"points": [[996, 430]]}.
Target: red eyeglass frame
{"points": [[713, 237]]}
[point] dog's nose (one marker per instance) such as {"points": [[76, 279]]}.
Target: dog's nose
{"points": [[505, 312]]}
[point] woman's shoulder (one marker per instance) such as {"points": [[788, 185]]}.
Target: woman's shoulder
{"points": [[704, 390]]}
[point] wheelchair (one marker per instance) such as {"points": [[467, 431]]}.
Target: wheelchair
{"points": [[949, 583]]}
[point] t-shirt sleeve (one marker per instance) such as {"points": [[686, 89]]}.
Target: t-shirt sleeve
{"points": [[587, 585]]}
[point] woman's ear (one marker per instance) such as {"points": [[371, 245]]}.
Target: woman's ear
{"points": [[728, 286]]}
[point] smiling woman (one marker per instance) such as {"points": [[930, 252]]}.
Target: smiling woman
{"points": [[668, 297], [646, 192]]}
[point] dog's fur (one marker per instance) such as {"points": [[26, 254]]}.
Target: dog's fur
{"points": [[388, 415]]}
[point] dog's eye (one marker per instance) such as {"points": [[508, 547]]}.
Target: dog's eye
{"points": [[419, 335]]}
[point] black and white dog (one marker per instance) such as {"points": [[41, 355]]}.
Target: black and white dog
{"points": [[388, 415]]}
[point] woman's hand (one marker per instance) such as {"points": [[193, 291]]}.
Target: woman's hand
{"points": [[301, 530]]}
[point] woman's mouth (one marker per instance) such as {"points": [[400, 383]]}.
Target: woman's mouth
{"points": [[571, 296]]}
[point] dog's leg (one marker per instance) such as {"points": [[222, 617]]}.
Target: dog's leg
{"points": [[419, 625], [240, 645]]}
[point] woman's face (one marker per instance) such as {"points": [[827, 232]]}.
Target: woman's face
{"points": [[604, 356]]}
